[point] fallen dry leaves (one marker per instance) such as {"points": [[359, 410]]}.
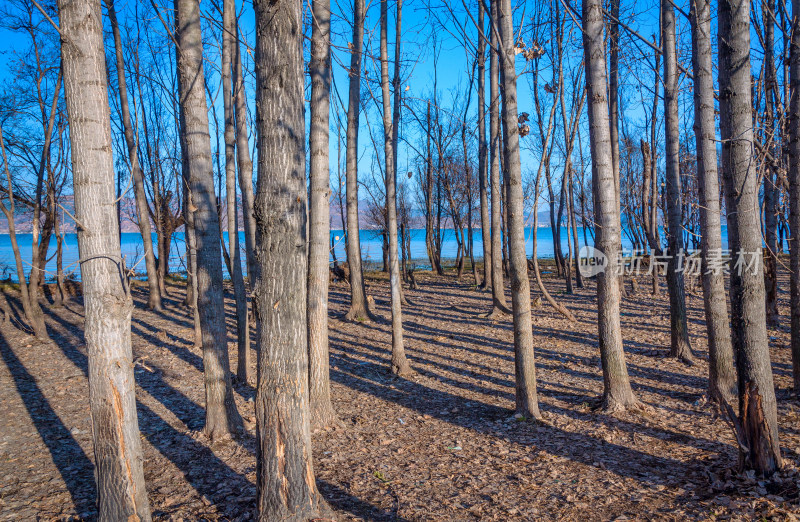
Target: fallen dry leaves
{"points": [[442, 445]]}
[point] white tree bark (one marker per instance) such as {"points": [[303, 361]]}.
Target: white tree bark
{"points": [[106, 294]]}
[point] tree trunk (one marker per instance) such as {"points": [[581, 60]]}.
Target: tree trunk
{"points": [[721, 375], [359, 309], [613, 93], [483, 153], [771, 191], [794, 192], [757, 406], [679, 345], [285, 476], [33, 312], [62, 291], [142, 210], [498, 286], [239, 292], [400, 364], [121, 490], [319, 67], [244, 161], [617, 393], [222, 417], [576, 245], [40, 232], [527, 402]]}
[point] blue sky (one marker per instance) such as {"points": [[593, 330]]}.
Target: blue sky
{"points": [[430, 27]]}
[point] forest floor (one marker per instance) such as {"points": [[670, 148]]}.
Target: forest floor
{"points": [[441, 445]]}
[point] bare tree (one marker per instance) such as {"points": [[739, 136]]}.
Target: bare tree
{"points": [[758, 416], [239, 292], [285, 475], [483, 152], [400, 364], [679, 345], [117, 445], [31, 309], [617, 392], [794, 192], [524, 366], [222, 417], [245, 163], [142, 210], [770, 166], [359, 308], [322, 413], [721, 378], [499, 305]]}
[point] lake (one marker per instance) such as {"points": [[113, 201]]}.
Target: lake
{"points": [[133, 250]]}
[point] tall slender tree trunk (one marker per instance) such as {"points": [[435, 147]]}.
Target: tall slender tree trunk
{"points": [[527, 401], [108, 305], [679, 345], [483, 153], [40, 232], [498, 287], [34, 317], [60, 278], [613, 92], [222, 417], [244, 161], [400, 364], [576, 244], [613, 109], [396, 106], [285, 475], [617, 392], [721, 374], [319, 67], [239, 292], [142, 210], [794, 191], [758, 416], [771, 191], [191, 248], [359, 309]]}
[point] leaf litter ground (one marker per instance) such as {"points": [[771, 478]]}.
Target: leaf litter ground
{"points": [[440, 445]]}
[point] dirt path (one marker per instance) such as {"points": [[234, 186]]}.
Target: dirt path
{"points": [[439, 446]]}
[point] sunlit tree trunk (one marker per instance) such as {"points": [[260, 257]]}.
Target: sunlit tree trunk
{"points": [[722, 377], [483, 153], [771, 191], [359, 309], [319, 67], [758, 416], [498, 287], [35, 320], [244, 161], [285, 482], [400, 364], [106, 295], [239, 292], [142, 210], [617, 393], [222, 417], [527, 402], [679, 345]]}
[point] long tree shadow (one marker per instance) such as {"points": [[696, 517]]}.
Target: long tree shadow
{"points": [[76, 470], [200, 466], [373, 379]]}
